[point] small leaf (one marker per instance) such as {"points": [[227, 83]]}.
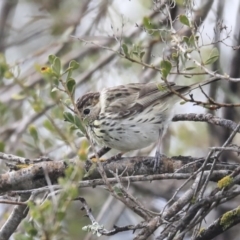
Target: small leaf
{"points": [[37, 105], [8, 75], [33, 132], [48, 125], [20, 153], [189, 68], [78, 123], [54, 89], [189, 40], [60, 215], [71, 84], [186, 40], [51, 58], [147, 23], [80, 135], [2, 146], [69, 73], [67, 101], [166, 64], [125, 49], [118, 190], [165, 67], [214, 55], [68, 117], [56, 66], [141, 55], [74, 64], [73, 128], [18, 96], [175, 56], [184, 20], [85, 228], [186, 76], [162, 87], [182, 102]]}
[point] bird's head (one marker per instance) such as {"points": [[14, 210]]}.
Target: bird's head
{"points": [[89, 107]]}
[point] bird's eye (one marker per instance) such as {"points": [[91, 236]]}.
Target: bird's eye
{"points": [[86, 111]]}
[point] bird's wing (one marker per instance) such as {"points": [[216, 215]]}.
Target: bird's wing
{"points": [[125, 100]]}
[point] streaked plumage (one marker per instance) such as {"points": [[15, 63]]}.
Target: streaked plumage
{"points": [[130, 116]]}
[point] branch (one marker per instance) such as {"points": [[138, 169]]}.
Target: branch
{"points": [[201, 65], [209, 118], [18, 214], [220, 225], [99, 229], [34, 176]]}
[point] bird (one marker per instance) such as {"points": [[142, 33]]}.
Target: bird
{"points": [[132, 116]]}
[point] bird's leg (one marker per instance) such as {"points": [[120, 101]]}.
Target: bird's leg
{"points": [[157, 160], [101, 152], [94, 158]]}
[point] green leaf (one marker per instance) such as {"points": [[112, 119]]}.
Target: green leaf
{"points": [[37, 106], [74, 64], [162, 87], [182, 102], [56, 66], [186, 39], [18, 96], [189, 68], [20, 153], [184, 20], [45, 206], [80, 135], [213, 57], [68, 117], [71, 84], [78, 123], [30, 229], [73, 128], [141, 55], [51, 58], [165, 67], [67, 101], [60, 215], [147, 23], [8, 75], [48, 125], [33, 132], [69, 73], [54, 89], [117, 190], [189, 40], [175, 56], [125, 49], [2, 146], [192, 40]]}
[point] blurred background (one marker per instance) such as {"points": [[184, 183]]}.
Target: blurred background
{"points": [[31, 115]]}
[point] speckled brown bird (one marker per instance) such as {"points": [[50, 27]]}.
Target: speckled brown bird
{"points": [[131, 116]]}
